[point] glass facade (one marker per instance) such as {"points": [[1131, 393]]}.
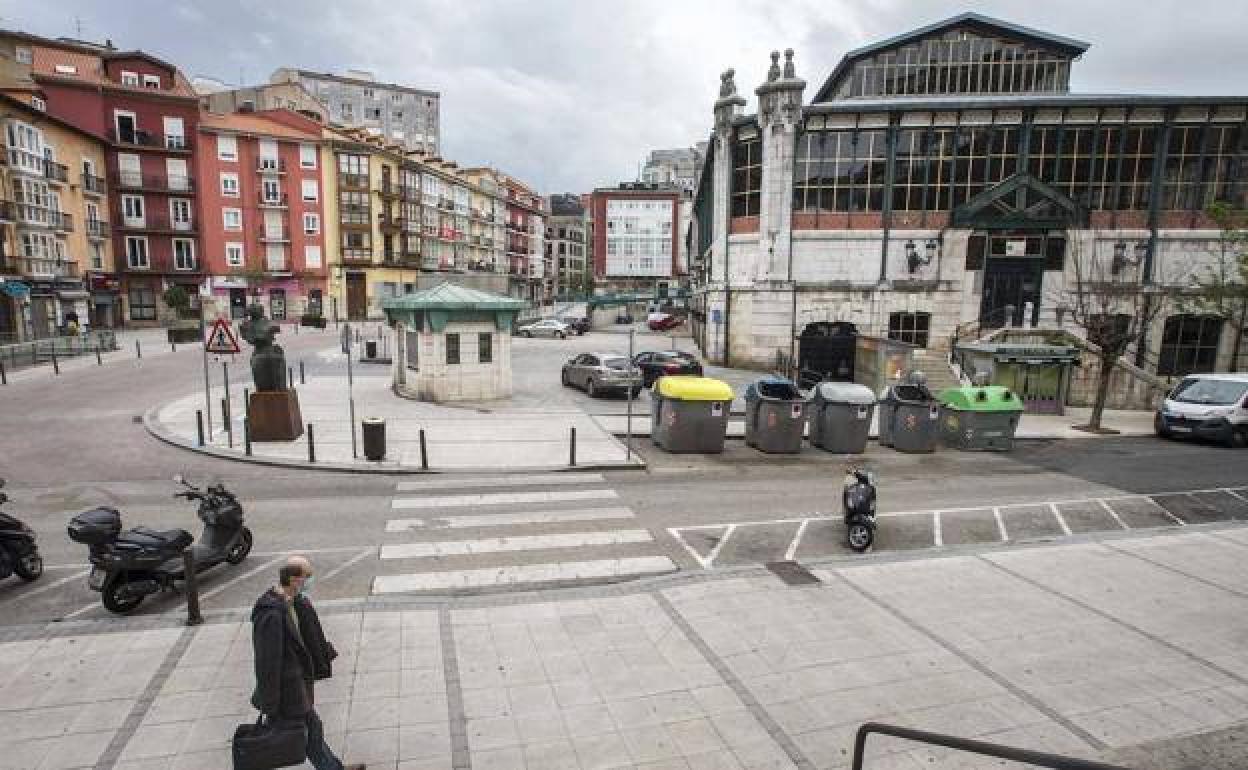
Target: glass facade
{"points": [[747, 177]]}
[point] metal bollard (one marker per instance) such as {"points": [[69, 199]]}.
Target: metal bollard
{"points": [[311, 445], [572, 448], [4, 378], [290, 377], [193, 618], [199, 425], [247, 435], [424, 452], [246, 404], [55, 366], [98, 361], [225, 417], [173, 346], [138, 350], [302, 379]]}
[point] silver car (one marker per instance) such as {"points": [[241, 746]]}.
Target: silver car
{"points": [[548, 327], [598, 373]]}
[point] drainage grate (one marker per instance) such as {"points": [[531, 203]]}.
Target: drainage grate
{"points": [[792, 573]]}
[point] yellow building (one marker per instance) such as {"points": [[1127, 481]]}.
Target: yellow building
{"points": [[56, 258]]}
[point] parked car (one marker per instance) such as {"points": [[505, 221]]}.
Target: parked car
{"points": [[579, 324], [598, 373], [1207, 406], [549, 327], [654, 365], [664, 321]]}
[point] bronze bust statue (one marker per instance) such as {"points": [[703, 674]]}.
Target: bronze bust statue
{"points": [[268, 360]]}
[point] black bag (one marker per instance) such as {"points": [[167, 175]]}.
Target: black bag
{"points": [[268, 744]]}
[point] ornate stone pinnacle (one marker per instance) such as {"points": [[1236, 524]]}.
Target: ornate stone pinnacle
{"points": [[789, 71], [727, 87], [773, 73]]}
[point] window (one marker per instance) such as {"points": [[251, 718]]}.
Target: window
{"points": [[311, 190], [130, 79], [373, 113], [307, 156], [229, 184], [23, 55], [747, 177], [275, 258], [233, 218], [227, 148], [368, 93], [175, 133], [396, 97], [314, 302], [183, 254], [180, 213], [910, 327], [452, 349], [311, 223], [125, 126], [142, 303], [234, 254], [271, 191], [347, 111], [268, 155], [1189, 345], [136, 252], [132, 210], [396, 115], [151, 81], [97, 255], [311, 256], [176, 173], [485, 347], [38, 104]]}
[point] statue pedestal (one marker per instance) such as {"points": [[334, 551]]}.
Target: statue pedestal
{"points": [[275, 415]]}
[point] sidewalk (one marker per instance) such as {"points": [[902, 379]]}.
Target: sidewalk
{"points": [[1086, 649]]}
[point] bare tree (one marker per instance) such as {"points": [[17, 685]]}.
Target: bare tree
{"points": [[1221, 290], [1110, 302]]}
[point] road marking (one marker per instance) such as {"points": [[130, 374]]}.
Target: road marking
{"points": [[516, 543], [503, 498], [996, 512], [937, 539], [1113, 513], [1061, 522], [797, 538], [560, 572], [1234, 494], [534, 480], [710, 557], [508, 519], [44, 589], [1166, 511], [203, 597], [353, 560]]}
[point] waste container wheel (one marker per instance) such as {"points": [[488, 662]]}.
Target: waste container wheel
{"points": [[860, 536]]}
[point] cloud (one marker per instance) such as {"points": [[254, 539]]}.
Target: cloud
{"points": [[572, 95]]}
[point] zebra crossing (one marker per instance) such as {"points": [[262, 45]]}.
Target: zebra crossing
{"points": [[527, 531]]}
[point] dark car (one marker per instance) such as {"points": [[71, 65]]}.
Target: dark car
{"points": [[654, 365], [663, 322], [579, 324]]}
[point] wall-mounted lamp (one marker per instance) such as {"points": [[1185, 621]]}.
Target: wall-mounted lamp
{"points": [[1121, 260], [915, 260]]}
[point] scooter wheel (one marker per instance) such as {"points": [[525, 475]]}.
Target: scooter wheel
{"points": [[114, 600], [29, 567], [860, 537], [240, 551]]}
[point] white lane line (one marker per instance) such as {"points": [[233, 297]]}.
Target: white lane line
{"points": [[996, 512], [675, 533], [83, 610], [560, 572], [1167, 512], [45, 588], [1234, 494], [1061, 521], [503, 498], [761, 523], [518, 543], [710, 557], [537, 479], [310, 551], [1113, 513], [797, 539], [508, 519], [937, 538], [353, 560], [205, 596]]}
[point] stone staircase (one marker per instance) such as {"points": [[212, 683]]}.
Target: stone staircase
{"points": [[935, 364]]}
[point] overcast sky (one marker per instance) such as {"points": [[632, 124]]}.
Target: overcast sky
{"points": [[572, 95]]}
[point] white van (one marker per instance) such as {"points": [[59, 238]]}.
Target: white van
{"points": [[1209, 406]]}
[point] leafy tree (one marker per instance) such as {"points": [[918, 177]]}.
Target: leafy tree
{"points": [[177, 299], [1221, 289]]}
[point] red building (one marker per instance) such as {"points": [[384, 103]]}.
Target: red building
{"points": [[262, 212], [635, 237], [149, 115], [524, 238]]}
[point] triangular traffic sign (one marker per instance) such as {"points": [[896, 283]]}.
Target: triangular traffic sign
{"points": [[221, 339]]}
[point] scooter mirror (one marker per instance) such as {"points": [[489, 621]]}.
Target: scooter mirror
{"points": [[179, 479]]}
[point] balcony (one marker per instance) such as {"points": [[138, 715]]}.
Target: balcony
{"points": [[135, 180], [271, 166], [97, 228], [176, 142], [92, 185], [55, 172], [353, 181], [41, 267], [446, 203], [410, 193], [357, 256], [61, 221], [277, 264], [140, 138], [7, 212], [388, 222], [282, 201], [387, 189], [158, 222], [269, 234]]}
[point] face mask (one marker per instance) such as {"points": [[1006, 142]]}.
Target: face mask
{"points": [[305, 588]]}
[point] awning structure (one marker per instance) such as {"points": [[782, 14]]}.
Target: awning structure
{"points": [[73, 294], [14, 289]]}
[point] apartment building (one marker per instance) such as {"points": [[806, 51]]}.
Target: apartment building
{"points": [[56, 259], [565, 245], [215, 96], [636, 237], [262, 213], [356, 99], [525, 234], [675, 168]]}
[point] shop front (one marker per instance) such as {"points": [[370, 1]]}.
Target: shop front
{"points": [[104, 311]]}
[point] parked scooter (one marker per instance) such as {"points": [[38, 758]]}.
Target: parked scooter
{"points": [[19, 555], [858, 501], [128, 566]]}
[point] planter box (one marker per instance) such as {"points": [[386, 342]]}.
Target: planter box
{"points": [[183, 333], [313, 320]]}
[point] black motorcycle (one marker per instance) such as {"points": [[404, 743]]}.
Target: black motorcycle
{"points": [[858, 501], [19, 555], [128, 566]]}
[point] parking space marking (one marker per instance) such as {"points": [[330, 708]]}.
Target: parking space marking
{"points": [[45, 588], [203, 597], [353, 560], [1061, 522], [996, 512], [937, 539], [1166, 510], [797, 539], [503, 498], [1113, 513], [1235, 494]]}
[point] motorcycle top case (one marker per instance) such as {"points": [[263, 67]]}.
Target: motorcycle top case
{"points": [[95, 527]]}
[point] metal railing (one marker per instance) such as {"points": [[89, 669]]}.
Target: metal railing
{"points": [[983, 748], [92, 184], [18, 355], [280, 202], [273, 234], [271, 166], [97, 228], [137, 180], [56, 172]]}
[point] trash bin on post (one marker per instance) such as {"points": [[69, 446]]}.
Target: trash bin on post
{"points": [[909, 416], [979, 418], [689, 414], [374, 432], [840, 417], [775, 415]]}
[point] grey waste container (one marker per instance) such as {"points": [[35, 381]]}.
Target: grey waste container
{"points": [[689, 414], [909, 418], [374, 431], [840, 417], [775, 415]]}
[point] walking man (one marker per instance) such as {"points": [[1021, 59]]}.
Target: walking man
{"points": [[291, 654]]}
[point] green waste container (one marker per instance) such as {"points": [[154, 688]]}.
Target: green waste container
{"points": [[775, 415], [689, 414], [979, 417]]}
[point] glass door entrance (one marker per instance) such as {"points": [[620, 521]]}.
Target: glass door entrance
{"points": [[1009, 284]]}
